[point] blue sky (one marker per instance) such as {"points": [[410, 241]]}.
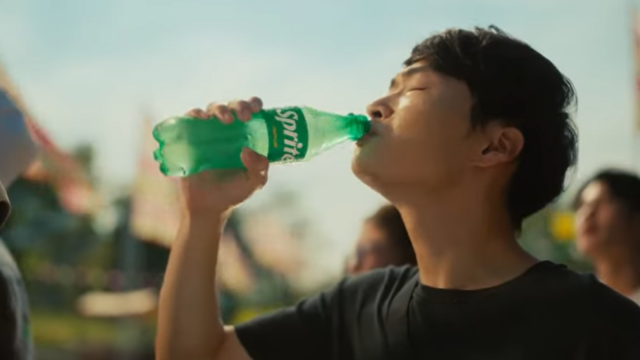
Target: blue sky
{"points": [[90, 71]]}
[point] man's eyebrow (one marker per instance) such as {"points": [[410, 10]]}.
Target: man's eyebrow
{"points": [[414, 70], [410, 72]]}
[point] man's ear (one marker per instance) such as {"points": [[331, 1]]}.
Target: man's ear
{"points": [[499, 144]]}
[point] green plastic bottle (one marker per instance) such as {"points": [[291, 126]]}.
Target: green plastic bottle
{"points": [[189, 145]]}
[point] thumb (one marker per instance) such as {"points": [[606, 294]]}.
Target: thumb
{"points": [[256, 164]]}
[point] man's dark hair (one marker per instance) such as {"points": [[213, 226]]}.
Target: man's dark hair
{"points": [[514, 84], [624, 187], [389, 220]]}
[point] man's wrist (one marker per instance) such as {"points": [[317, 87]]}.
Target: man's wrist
{"points": [[205, 220]]}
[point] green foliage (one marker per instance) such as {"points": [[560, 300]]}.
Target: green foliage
{"points": [[537, 238]]}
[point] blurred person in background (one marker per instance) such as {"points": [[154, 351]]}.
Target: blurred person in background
{"points": [[383, 242], [473, 136], [17, 152], [608, 229]]}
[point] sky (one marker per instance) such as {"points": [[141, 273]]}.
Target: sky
{"points": [[91, 71]]}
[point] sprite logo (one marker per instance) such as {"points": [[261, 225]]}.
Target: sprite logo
{"points": [[288, 134]]}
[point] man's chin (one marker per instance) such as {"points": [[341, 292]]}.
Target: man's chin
{"points": [[364, 168]]}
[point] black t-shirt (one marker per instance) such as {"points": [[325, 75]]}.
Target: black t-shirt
{"points": [[549, 312]]}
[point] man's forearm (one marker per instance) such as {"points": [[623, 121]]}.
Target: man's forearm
{"points": [[189, 324]]}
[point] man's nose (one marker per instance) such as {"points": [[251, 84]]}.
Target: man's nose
{"points": [[380, 109]]}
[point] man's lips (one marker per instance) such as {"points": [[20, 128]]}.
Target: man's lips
{"points": [[363, 139], [372, 133]]}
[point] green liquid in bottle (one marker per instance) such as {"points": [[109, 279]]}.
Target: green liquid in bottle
{"points": [[189, 145]]}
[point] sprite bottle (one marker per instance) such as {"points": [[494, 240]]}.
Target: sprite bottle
{"points": [[189, 145]]}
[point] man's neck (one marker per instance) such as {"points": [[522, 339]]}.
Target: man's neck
{"points": [[621, 272], [463, 240]]}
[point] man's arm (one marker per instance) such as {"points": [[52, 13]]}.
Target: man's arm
{"points": [[189, 325]]}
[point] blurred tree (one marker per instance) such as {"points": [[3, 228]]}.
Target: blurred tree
{"points": [[153, 258], [43, 235], [84, 154], [546, 238]]}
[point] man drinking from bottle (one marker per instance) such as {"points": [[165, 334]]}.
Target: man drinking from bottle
{"points": [[473, 135]]}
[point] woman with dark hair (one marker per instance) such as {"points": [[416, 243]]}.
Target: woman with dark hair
{"points": [[383, 242], [608, 229]]}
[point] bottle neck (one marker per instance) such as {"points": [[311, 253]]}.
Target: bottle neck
{"points": [[359, 125]]}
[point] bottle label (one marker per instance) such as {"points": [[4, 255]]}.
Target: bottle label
{"points": [[288, 134]]}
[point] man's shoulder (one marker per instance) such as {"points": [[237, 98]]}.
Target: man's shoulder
{"points": [[615, 309], [328, 323], [557, 283], [594, 292], [388, 276], [584, 296], [612, 321], [378, 285]]}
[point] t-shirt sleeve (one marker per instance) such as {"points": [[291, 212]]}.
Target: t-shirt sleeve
{"points": [[619, 343], [8, 323], [303, 331], [624, 336], [618, 335], [329, 325]]}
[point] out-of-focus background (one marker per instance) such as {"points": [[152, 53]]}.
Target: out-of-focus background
{"points": [[93, 218]]}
